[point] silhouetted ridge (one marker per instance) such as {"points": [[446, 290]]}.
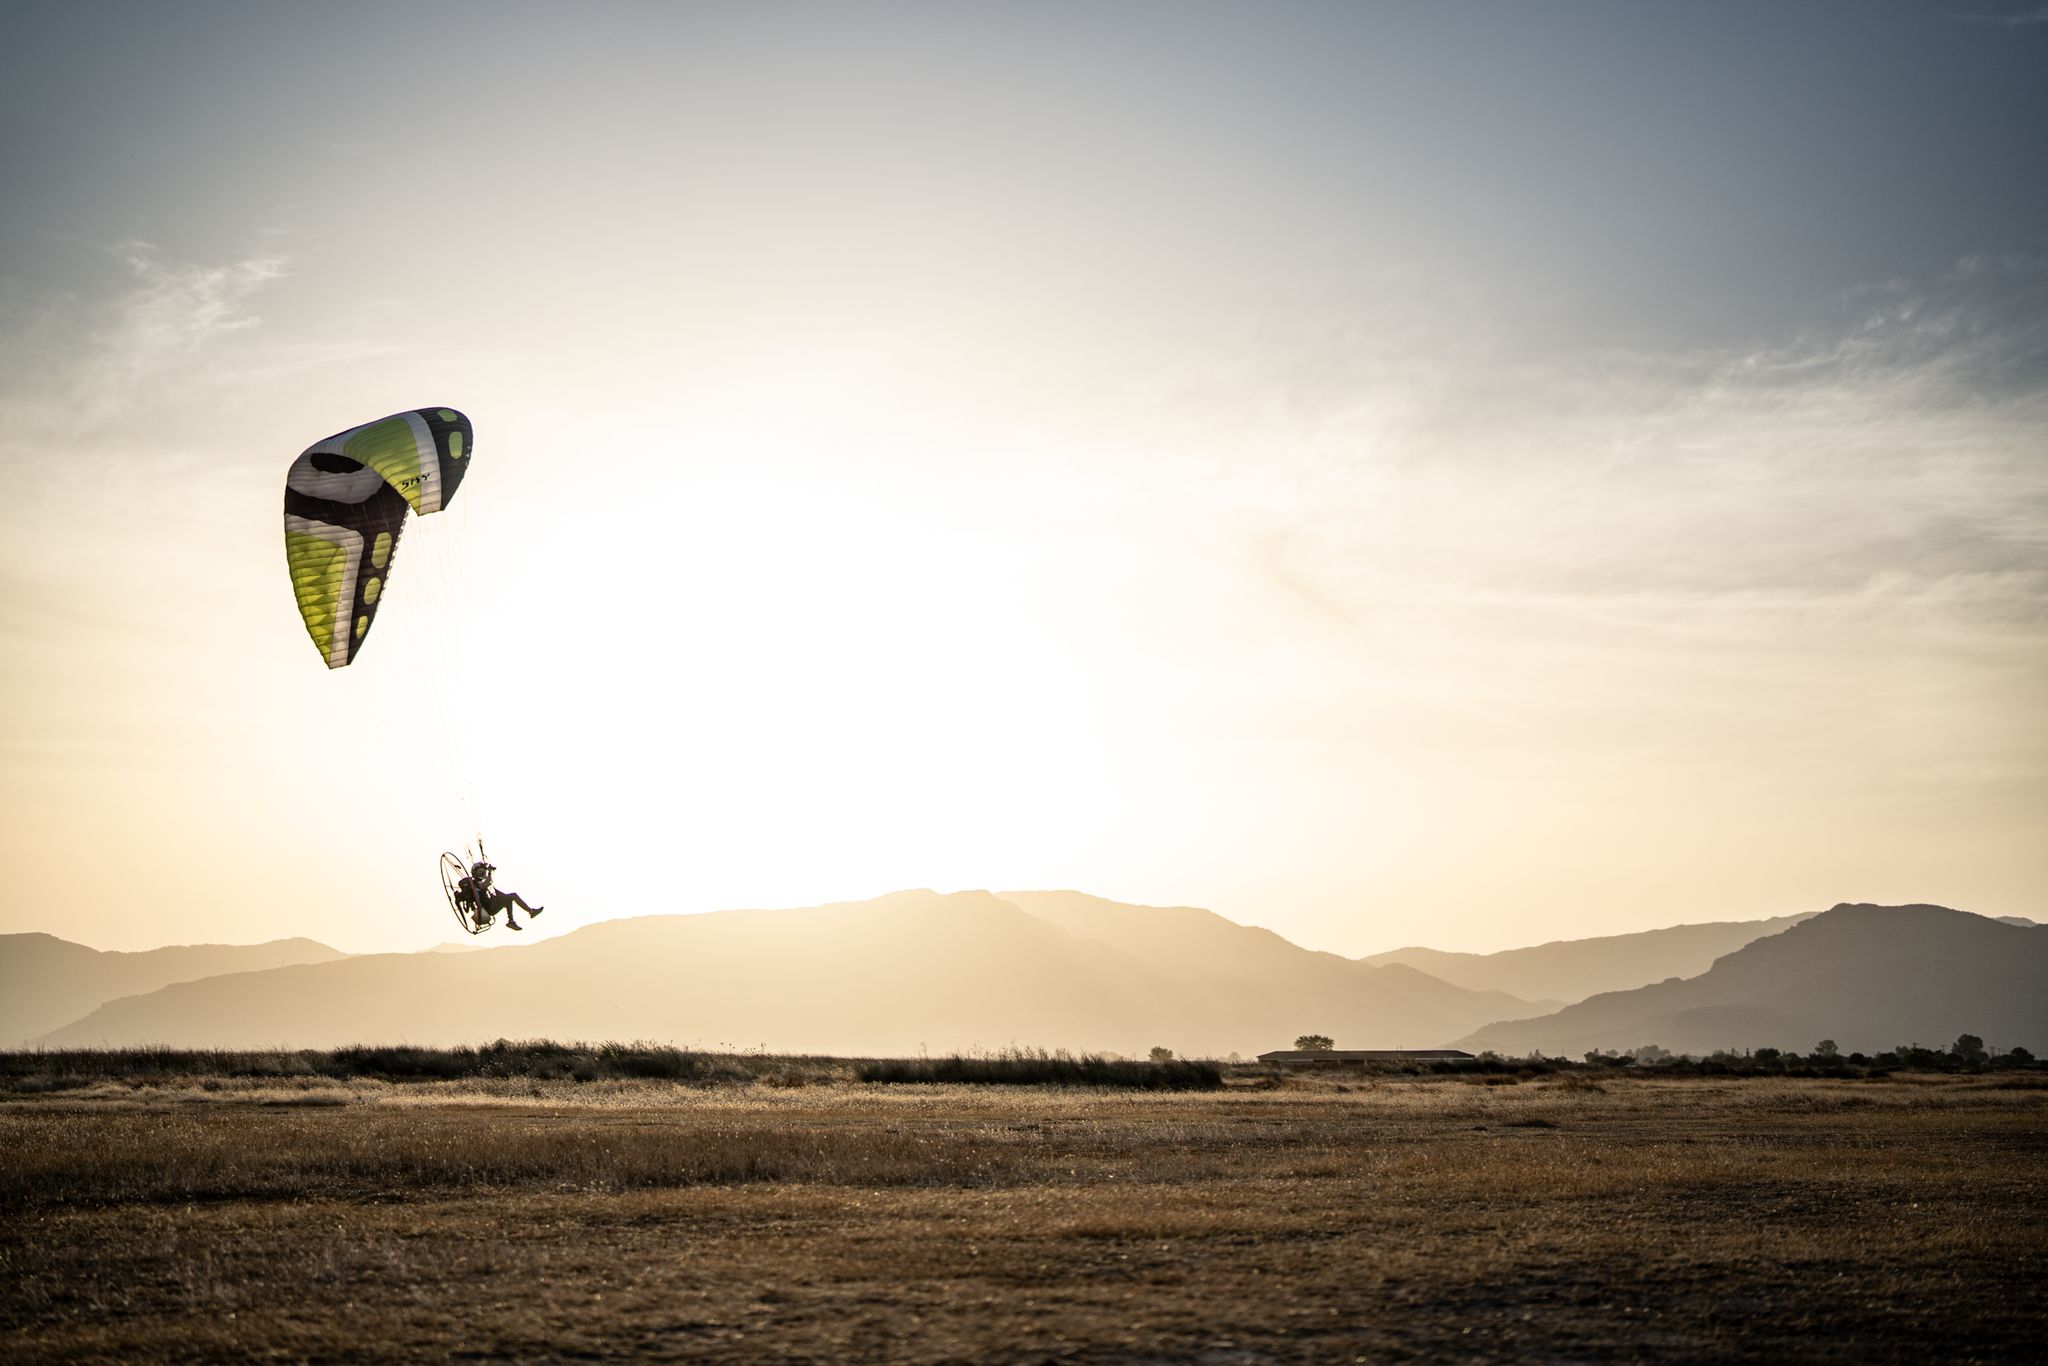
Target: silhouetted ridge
{"points": [[1869, 977], [1567, 970], [909, 973], [47, 982]]}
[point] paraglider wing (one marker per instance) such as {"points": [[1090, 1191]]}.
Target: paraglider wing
{"points": [[345, 502]]}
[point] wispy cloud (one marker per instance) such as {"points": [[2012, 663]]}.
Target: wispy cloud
{"points": [[99, 400], [1904, 439], [174, 306], [1833, 547], [74, 362], [2018, 18]]}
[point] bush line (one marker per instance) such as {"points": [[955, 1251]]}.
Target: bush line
{"points": [[547, 1060]]}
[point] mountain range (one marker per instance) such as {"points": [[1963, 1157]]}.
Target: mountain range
{"points": [[1568, 970], [47, 982], [912, 971], [924, 971], [1868, 977]]}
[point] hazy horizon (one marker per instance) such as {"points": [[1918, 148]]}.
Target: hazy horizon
{"points": [[1459, 476], [434, 941], [968, 972]]}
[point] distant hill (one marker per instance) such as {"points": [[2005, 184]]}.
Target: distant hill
{"points": [[1868, 977], [902, 973], [1568, 970], [46, 982], [1263, 977]]}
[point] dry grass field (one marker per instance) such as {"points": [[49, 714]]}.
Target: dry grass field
{"points": [[1401, 1218]]}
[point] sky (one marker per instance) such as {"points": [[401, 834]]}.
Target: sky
{"points": [[1453, 474]]}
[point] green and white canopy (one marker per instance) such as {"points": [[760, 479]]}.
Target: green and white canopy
{"points": [[345, 502]]}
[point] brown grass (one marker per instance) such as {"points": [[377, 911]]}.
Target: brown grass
{"points": [[1312, 1220]]}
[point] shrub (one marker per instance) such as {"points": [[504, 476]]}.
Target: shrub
{"points": [[1036, 1067]]}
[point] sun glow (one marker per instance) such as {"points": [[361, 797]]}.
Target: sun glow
{"points": [[757, 662]]}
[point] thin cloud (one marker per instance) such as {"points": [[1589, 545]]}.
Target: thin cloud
{"points": [[75, 365], [1911, 432], [174, 307], [1832, 548], [2013, 19]]}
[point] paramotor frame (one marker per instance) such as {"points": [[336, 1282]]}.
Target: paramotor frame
{"points": [[473, 918]]}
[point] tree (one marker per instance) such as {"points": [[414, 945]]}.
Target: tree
{"points": [[1925, 1059], [1767, 1056], [1827, 1048], [1315, 1043], [1968, 1048], [1162, 1055]]}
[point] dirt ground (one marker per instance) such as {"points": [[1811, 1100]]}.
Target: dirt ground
{"points": [[1318, 1221]]}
